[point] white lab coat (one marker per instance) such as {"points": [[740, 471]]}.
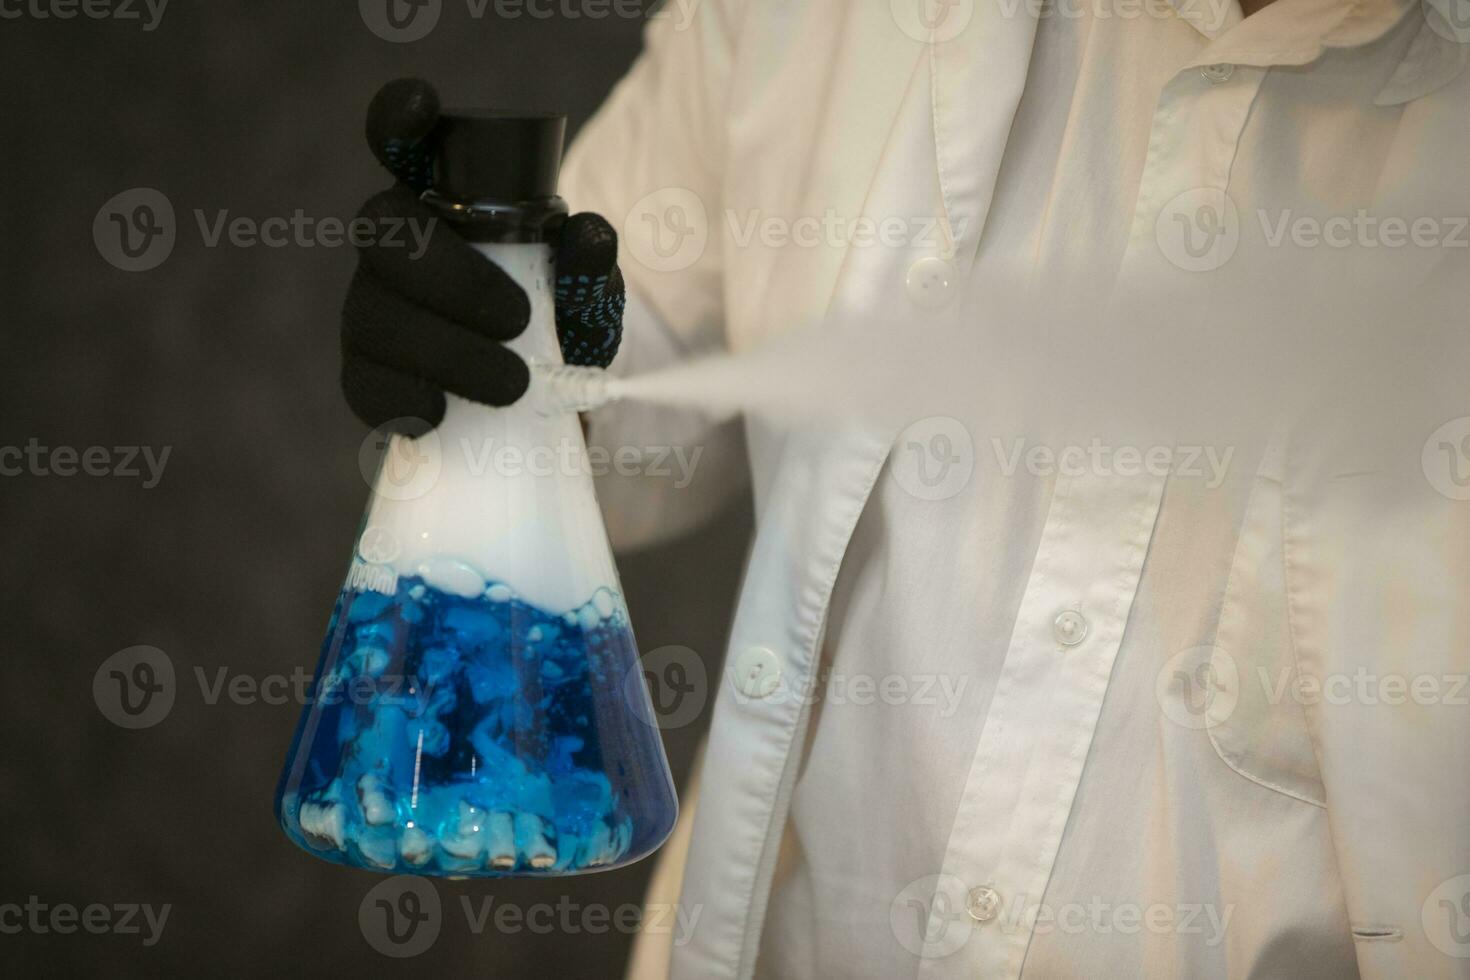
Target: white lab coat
{"points": [[799, 108]]}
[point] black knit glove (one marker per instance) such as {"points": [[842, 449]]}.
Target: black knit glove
{"points": [[417, 325]]}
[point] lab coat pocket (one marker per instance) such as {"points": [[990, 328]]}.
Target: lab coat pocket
{"points": [[1256, 718]]}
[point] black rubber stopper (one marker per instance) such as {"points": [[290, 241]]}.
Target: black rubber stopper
{"points": [[488, 155]]}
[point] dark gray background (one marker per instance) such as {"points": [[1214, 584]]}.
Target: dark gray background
{"points": [[228, 356]]}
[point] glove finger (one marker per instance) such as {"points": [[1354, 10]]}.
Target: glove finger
{"points": [[436, 269], [384, 398], [382, 325], [587, 253], [591, 332], [400, 126]]}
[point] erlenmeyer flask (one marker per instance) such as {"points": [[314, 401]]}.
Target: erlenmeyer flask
{"points": [[478, 709]]}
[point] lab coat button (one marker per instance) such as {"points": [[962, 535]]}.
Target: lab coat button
{"points": [[930, 282], [756, 672], [1217, 73], [983, 903], [1070, 628]]}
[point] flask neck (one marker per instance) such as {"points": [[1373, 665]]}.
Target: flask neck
{"points": [[485, 221]]}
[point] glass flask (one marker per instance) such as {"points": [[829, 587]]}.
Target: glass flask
{"points": [[478, 710]]}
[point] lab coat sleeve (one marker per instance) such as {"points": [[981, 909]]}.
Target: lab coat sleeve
{"points": [[658, 143], [1377, 553]]}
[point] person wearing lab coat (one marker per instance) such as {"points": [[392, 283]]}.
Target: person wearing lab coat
{"points": [[1118, 775]]}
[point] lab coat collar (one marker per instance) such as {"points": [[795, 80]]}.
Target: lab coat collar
{"points": [[1296, 32], [1433, 60], [1290, 32]]}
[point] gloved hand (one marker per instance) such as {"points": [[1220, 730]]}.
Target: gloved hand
{"points": [[414, 328]]}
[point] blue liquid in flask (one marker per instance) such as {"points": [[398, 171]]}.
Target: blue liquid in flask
{"points": [[476, 736]]}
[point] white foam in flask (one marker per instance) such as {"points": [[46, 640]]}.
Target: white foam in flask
{"points": [[498, 498]]}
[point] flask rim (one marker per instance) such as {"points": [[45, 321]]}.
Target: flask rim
{"points": [[484, 221]]}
